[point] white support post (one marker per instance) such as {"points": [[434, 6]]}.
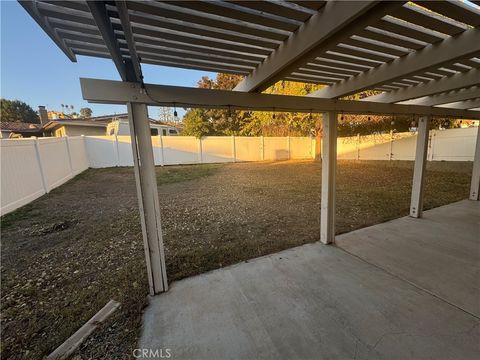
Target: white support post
{"points": [[147, 194], [234, 149], [475, 185], [329, 164], [416, 204]]}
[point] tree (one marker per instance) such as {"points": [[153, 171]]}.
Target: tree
{"points": [[86, 112], [196, 123], [18, 111]]}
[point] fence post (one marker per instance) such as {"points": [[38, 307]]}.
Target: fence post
{"points": [[234, 149], [39, 160], [432, 144], [262, 148], [69, 155], [162, 159], [390, 155], [358, 147], [115, 150], [200, 151], [288, 147]]}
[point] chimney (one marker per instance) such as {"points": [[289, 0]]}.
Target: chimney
{"points": [[42, 113]]}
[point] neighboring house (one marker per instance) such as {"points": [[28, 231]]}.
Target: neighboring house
{"points": [[116, 124], [18, 129], [75, 127], [121, 127]]}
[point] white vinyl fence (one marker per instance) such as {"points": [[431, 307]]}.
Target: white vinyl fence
{"points": [[108, 151], [32, 167], [443, 145]]}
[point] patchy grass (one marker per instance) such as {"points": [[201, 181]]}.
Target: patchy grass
{"points": [[169, 175], [66, 254]]}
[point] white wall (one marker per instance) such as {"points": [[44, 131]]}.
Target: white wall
{"points": [[33, 167]]}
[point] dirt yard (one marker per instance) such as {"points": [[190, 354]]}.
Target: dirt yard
{"points": [[66, 254]]}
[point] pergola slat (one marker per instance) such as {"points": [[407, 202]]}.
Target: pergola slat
{"points": [[330, 78], [331, 66], [454, 82], [391, 40], [196, 61], [308, 80], [309, 71], [200, 41], [193, 66], [314, 5], [275, 8], [421, 17], [362, 53], [365, 64], [335, 63], [219, 10], [189, 18], [445, 98], [463, 105], [375, 47], [175, 46], [231, 60], [406, 29], [139, 21], [456, 10]]}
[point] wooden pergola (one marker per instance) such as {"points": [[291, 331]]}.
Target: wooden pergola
{"points": [[423, 57]]}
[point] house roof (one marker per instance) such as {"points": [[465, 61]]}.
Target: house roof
{"points": [[74, 122], [18, 126]]}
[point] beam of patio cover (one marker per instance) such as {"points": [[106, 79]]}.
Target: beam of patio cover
{"points": [[464, 45], [303, 44], [100, 15], [120, 92]]}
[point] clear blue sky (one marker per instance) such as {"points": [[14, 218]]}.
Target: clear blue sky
{"points": [[35, 70]]}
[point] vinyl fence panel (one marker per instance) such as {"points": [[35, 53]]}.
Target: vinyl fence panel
{"points": [[248, 148], [78, 154], [181, 150], [218, 149], [55, 161], [21, 174]]}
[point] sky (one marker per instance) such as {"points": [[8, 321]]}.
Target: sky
{"points": [[36, 71]]}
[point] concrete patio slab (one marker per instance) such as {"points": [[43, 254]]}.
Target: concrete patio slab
{"points": [[311, 302], [439, 253]]}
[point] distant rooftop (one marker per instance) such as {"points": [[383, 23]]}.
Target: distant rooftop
{"points": [[18, 126]]}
